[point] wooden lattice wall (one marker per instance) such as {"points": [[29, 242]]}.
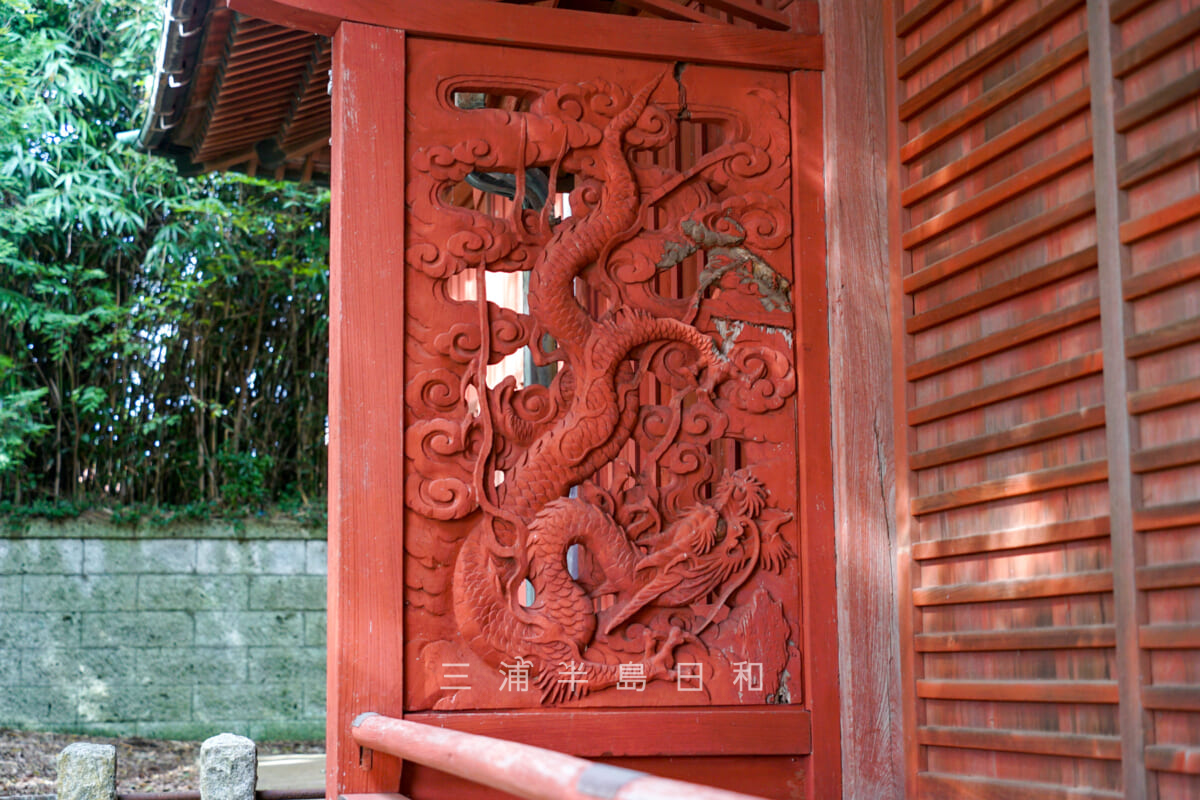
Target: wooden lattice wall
{"points": [[1047, 282]]}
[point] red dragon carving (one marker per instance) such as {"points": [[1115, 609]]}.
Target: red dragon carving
{"points": [[549, 441]]}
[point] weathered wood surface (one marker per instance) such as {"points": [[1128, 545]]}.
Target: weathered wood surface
{"points": [[1049, 235], [856, 199], [1156, 115], [553, 29], [642, 732], [686, 403], [366, 389]]}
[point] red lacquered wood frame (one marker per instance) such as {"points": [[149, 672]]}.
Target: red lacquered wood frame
{"points": [[366, 539]]}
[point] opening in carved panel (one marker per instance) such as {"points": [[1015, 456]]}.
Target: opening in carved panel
{"points": [[613, 512]]}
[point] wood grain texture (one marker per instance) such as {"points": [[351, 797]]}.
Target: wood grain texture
{"points": [[1021, 691], [1009, 289], [935, 785], [1013, 486], [1173, 758], [1016, 741], [1007, 339], [1018, 436], [1010, 40], [1009, 474], [919, 13], [1163, 277], [642, 732], [1013, 539], [1170, 215], [857, 207], [1018, 385], [1169, 637], [1000, 242], [1007, 141], [737, 774], [1113, 266], [989, 101], [1015, 589], [1159, 102], [814, 435], [552, 29], [1178, 32], [1084, 636], [1164, 158], [948, 35], [366, 366], [1001, 192], [1171, 515]]}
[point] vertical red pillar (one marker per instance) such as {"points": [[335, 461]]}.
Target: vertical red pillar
{"points": [[814, 437], [366, 400]]}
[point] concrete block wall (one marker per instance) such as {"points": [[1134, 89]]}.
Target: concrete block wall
{"points": [[178, 632]]}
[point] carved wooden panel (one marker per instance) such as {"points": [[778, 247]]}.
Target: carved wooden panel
{"points": [[619, 526]]}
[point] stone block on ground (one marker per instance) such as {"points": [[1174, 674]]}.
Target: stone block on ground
{"points": [[228, 768], [87, 772]]}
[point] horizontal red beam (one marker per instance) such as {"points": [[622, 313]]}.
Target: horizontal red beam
{"points": [[764, 731], [552, 29], [520, 769]]}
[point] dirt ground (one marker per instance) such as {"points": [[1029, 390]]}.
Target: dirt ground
{"points": [[28, 761]]}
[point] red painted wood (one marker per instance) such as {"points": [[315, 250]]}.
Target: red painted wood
{"points": [[762, 775], [519, 769], [366, 387], [550, 28], [659, 732], [814, 434]]}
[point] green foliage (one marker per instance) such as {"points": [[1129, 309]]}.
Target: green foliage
{"points": [[245, 477], [163, 340]]}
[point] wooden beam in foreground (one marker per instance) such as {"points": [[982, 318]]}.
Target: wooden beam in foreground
{"points": [[552, 29]]}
